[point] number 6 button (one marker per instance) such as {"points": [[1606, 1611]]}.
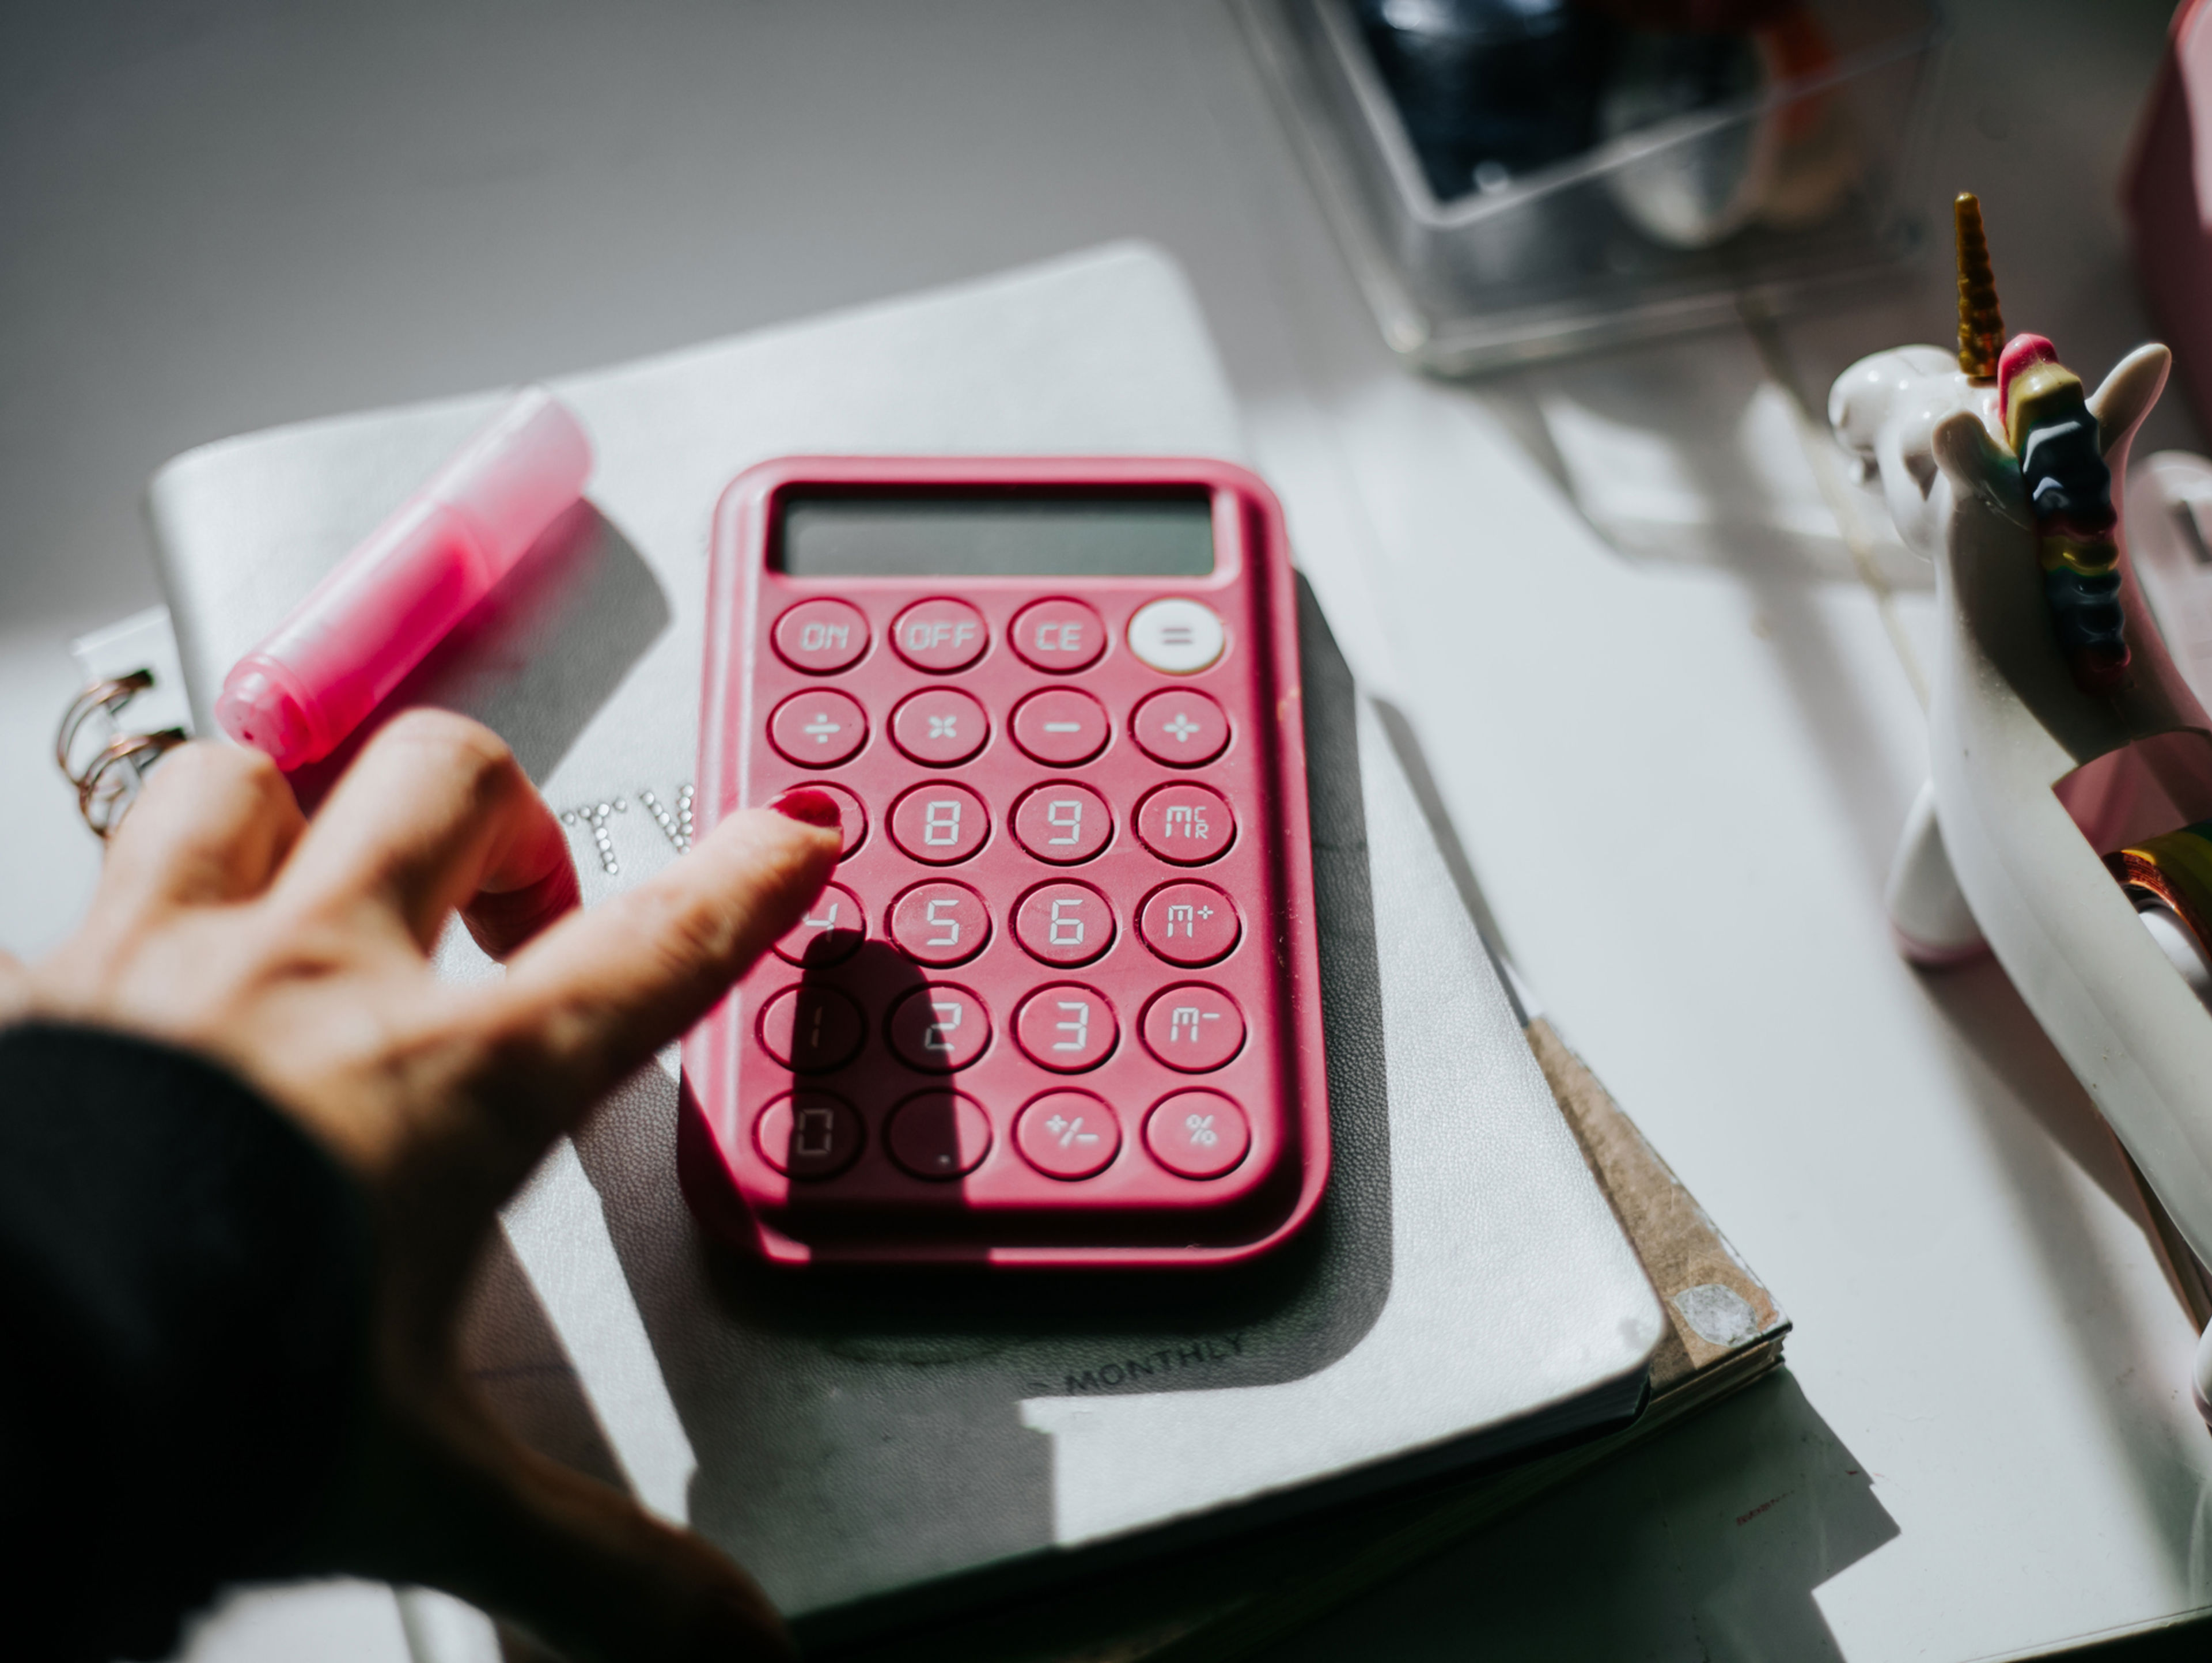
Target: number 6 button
{"points": [[1062, 824], [939, 824]]}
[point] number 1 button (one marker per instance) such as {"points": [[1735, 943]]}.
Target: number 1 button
{"points": [[939, 824]]}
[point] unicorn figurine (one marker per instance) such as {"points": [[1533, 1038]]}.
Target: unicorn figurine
{"points": [[2067, 826]]}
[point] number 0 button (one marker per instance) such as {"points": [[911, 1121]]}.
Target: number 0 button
{"points": [[1063, 824], [939, 824], [809, 1134]]}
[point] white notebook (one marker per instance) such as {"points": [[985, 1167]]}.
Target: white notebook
{"points": [[875, 1451]]}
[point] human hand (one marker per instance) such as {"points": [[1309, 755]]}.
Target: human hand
{"points": [[298, 954]]}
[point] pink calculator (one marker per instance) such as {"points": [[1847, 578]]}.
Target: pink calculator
{"points": [[1060, 1004]]}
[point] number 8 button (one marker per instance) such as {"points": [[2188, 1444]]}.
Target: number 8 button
{"points": [[939, 824]]}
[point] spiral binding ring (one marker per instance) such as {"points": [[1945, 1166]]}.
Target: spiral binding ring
{"points": [[108, 789], [110, 695]]}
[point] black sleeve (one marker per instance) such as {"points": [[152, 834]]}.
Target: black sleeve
{"points": [[183, 1310]]}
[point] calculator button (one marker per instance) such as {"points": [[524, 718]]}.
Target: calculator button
{"points": [[939, 725], [817, 729], [939, 1027], [1197, 1134], [1060, 726], [1064, 924], [828, 932], [852, 817], [809, 1134], [1065, 1027], [1181, 637], [940, 635], [1068, 1134], [1188, 924], [939, 824], [1189, 825], [939, 923], [1194, 1028], [811, 1030], [938, 1134], [821, 637], [1063, 824], [1059, 635], [1181, 727]]}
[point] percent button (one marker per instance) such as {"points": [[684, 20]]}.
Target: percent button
{"points": [[1197, 1134]]}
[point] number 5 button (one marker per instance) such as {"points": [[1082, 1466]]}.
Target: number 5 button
{"points": [[1063, 824], [939, 824]]}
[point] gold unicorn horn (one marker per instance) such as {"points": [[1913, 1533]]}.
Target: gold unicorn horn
{"points": [[1981, 325]]}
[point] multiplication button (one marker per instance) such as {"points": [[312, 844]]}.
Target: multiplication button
{"points": [[939, 726], [939, 824], [817, 729]]}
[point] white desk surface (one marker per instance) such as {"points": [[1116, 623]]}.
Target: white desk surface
{"points": [[1678, 782]]}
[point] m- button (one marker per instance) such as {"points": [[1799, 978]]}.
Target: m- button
{"points": [[1059, 635]]}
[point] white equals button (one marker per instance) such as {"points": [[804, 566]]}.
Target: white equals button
{"points": [[1178, 635]]}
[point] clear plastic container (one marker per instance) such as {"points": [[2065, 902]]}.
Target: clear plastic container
{"points": [[1786, 178]]}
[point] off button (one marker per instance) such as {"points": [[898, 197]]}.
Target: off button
{"points": [[1181, 637]]}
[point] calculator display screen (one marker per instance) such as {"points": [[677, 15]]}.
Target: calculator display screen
{"points": [[1024, 535]]}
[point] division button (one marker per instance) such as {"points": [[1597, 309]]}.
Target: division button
{"points": [[1197, 1134], [828, 932], [1179, 636], [821, 637], [939, 824], [811, 1030], [939, 923], [1194, 1028], [1181, 727], [1063, 824], [939, 726], [1065, 1027], [939, 1027], [1064, 924], [817, 729], [939, 635], [1188, 924], [852, 817], [938, 1134], [1188, 825], [1059, 635], [1068, 1134], [1060, 726], [809, 1134]]}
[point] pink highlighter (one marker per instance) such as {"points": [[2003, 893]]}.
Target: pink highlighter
{"points": [[382, 608]]}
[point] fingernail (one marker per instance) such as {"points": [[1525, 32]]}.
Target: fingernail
{"points": [[810, 807]]}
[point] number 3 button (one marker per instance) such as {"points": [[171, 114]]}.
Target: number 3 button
{"points": [[939, 824], [1063, 824]]}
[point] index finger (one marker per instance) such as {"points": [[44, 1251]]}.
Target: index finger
{"points": [[600, 991]]}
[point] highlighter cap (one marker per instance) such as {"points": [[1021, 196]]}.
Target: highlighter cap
{"points": [[515, 478]]}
